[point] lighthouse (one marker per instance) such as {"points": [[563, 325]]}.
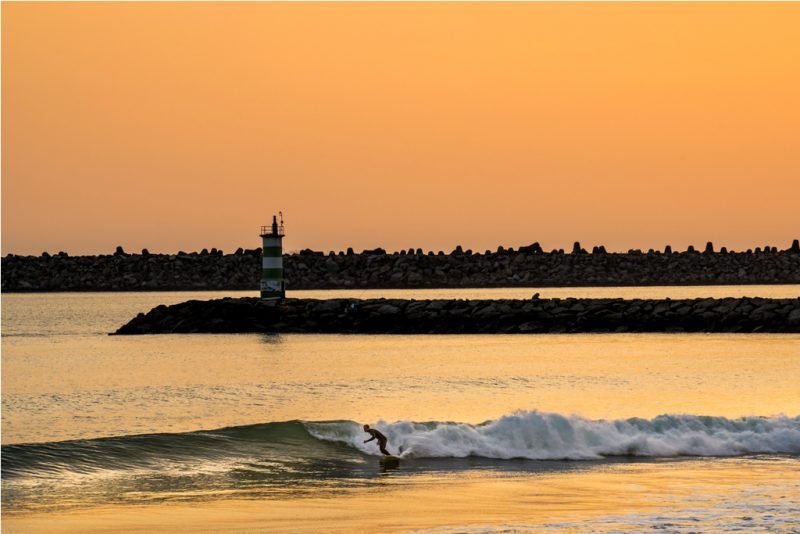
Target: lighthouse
{"points": [[272, 286]]}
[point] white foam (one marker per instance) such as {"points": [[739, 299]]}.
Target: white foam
{"points": [[545, 436]]}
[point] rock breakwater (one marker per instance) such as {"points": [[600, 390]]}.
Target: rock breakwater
{"points": [[401, 316], [526, 267]]}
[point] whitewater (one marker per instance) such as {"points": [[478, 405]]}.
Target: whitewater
{"points": [[530, 435], [549, 436]]}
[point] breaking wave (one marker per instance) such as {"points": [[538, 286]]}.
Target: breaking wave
{"points": [[530, 435], [549, 436]]}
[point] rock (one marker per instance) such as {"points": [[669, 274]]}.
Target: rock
{"points": [[458, 316], [326, 306], [388, 309], [331, 266], [531, 326], [533, 248], [314, 270], [415, 278], [487, 311]]}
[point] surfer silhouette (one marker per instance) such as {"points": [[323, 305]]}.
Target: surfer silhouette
{"points": [[376, 435]]}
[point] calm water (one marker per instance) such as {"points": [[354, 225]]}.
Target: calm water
{"points": [[629, 432]]}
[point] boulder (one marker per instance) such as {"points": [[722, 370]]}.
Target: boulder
{"points": [[327, 306], [533, 248], [388, 309]]}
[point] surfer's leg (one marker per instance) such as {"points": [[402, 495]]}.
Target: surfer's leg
{"points": [[383, 448]]}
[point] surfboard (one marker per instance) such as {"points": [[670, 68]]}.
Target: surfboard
{"points": [[390, 461]]}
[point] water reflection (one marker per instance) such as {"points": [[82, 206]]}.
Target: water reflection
{"points": [[271, 339]]}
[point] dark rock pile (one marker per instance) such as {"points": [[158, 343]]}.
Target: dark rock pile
{"points": [[398, 316], [528, 266]]}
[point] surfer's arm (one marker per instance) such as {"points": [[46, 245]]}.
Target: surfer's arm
{"points": [[368, 440]]}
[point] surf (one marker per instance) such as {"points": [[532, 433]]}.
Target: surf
{"points": [[536, 435], [294, 445]]}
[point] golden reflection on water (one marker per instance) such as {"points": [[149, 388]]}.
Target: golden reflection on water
{"points": [[701, 495], [63, 378], [84, 387]]}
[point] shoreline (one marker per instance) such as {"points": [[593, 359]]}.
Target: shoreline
{"points": [[450, 316], [651, 491]]}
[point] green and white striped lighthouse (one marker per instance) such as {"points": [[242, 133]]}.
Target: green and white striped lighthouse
{"points": [[272, 286]]}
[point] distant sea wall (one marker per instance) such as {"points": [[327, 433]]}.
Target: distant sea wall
{"points": [[528, 266], [504, 316]]}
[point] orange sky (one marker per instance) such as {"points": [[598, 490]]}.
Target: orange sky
{"points": [[183, 126]]}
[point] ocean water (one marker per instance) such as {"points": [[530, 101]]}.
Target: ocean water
{"points": [[603, 433]]}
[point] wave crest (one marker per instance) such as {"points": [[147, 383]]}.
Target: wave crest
{"points": [[549, 436], [300, 445]]}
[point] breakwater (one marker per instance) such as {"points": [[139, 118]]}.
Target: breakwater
{"points": [[528, 266], [404, 316]]}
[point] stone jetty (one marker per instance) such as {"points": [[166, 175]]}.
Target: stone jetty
{"points": [[528, 266], [402, 316]]}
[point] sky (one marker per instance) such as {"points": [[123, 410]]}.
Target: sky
{"points": [[182, 126]]}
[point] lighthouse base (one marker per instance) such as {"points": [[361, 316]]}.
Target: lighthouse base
{"points": [[272, 289]]}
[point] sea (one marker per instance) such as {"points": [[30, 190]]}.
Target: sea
{"points": [[495, 433]]}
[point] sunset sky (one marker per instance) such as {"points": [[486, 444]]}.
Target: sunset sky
{"points": [[187, 125]]}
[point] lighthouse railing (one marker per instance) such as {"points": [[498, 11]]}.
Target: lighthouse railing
{"points": [[267, 230]]}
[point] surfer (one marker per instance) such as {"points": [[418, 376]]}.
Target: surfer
{"points": [[376, 435]]}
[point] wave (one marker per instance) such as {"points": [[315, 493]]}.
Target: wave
{"points": [[549, 436], [158, 451], [287, 446]]}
